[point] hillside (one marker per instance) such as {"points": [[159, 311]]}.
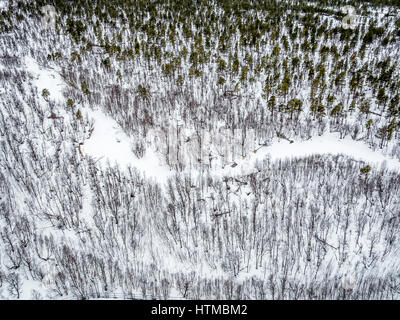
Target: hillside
{"points": [[199, 149]]}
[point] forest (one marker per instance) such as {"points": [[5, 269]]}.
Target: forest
{"points": [[201, 85]]}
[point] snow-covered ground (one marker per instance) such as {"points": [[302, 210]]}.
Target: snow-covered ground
{"points": [[215, 200], [45, 79], [108, 142], [3, 4], [329, 143]]}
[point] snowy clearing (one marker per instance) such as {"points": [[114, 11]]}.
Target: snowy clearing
{"points": [[109, 143], [329, 143]]}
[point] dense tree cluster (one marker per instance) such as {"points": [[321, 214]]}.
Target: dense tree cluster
{"points": [[233, 62]]}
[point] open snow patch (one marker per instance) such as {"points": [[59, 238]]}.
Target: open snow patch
{"points": [[45, 79], [3, 4], [109, 142], [329, 143]]}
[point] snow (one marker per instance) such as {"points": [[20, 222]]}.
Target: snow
{"points": [[329, 143], [30, 285], [45, 79], [108, 142]]}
